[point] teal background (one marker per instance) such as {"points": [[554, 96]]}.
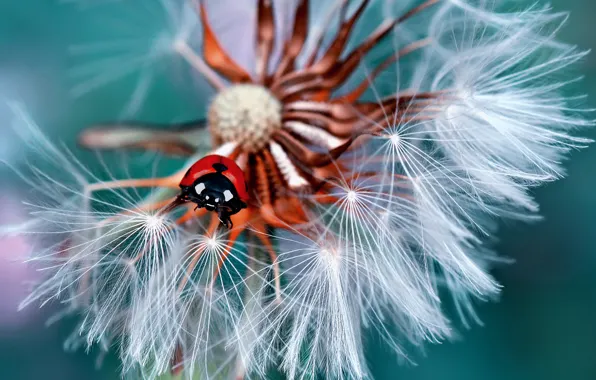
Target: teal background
{"points": [[543, 327]]}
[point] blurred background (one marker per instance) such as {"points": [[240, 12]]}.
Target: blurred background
{"points": [[543, 327]]}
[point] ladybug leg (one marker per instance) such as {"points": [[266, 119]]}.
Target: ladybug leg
{"points": [[224, 217], [178, 201]]}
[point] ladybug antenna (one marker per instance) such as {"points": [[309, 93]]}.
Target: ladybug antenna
{"points": [[175, 203], [219, 167]]}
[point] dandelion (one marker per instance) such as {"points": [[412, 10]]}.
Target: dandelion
{"points": [[380, 141]]}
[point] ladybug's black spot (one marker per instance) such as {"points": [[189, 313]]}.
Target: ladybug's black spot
{"points": [[219, 167]]}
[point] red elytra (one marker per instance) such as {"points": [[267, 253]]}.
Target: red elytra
{"points": [[205, 166]]}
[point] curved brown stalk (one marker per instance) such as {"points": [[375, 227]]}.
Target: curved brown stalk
{"points": [[265, 38], [295, 43], [348, 65], [343, 7], [301, 153], [336, 109], [240, 222], [215, 55], [171, 139], [337, 46], [286, 205], [329, 72], [355, 94], [170, 181], [177, 361], [341, 129], [196, 255], [313, 70], [276, 181], [261, 231], [260, 181]]}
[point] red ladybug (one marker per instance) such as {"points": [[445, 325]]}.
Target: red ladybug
{"points": [[216, 183]]}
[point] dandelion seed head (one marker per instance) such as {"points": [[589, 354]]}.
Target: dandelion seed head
{"points": [[378, 156], [395, 139], [154, 222], [352, 196], [213, 243]]}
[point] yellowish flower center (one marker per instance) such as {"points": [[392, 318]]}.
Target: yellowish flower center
{"points": [[247, 114]]}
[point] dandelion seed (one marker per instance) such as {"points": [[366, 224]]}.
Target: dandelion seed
{"points": [[379, 141]]}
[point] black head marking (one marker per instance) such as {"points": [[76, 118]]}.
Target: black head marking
{"points": [[219, 167]]}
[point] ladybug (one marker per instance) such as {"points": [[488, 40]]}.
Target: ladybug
{"points": [[216, 183]]}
